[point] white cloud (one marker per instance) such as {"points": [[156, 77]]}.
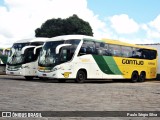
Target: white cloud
{"points": [[153, 34], [123, 24], [5, 42], [152, 28], [21, 17], [137, 40], [156, 23]]}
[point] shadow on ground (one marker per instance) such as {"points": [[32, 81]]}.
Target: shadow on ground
{"points": [[96, 81]]}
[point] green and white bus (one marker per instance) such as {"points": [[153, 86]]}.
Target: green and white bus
{"points": [[3, 55], [3, 59], [22, 59], [82, 57]]}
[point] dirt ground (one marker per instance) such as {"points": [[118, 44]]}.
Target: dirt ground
{"points": [[18, 94]]}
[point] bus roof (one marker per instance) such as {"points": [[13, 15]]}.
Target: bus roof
{"points": [[39, 39], [66, 37], [23, 41], [117, 42], [32, 40]]}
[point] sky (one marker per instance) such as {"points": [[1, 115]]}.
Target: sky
{"points": [[133, 21]]}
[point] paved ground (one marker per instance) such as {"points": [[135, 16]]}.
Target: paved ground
{"points": [[18, 94]]}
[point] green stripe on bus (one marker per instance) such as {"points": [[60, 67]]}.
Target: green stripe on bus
{"points": [[107, 64], [102, 64], [112, 65]]}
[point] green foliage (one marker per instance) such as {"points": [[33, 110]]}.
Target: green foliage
{"points": [[68, 26]]}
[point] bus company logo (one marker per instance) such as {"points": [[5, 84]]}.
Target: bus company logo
{"points": [[6, 114], [85, 60], [66, 74], [133, 62]]}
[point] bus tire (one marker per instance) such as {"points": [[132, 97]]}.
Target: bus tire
{"points": [[142, 76], [28, 77], [134, 77], [81, 76]]}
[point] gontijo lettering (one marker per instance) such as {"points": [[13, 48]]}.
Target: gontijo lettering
{"points": [[134, 62]]}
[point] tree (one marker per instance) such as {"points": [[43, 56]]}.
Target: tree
{"points": [[68, 26]]}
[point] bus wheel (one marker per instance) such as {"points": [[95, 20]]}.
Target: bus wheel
{"points": [[28, 77], [81, 76], [142, 77], [134, 77]]}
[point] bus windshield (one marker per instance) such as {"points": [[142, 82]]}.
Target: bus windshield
{"points": [[15, 57], [48, 56]]}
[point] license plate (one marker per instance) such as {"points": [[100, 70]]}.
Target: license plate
{"points": [[11, 73], [44, 75]]}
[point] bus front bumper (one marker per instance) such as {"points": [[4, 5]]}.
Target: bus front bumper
{"points": [[56, 74]]}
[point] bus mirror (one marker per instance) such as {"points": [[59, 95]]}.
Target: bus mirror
{"points": [[35, 49], [60, 46], [26, 47]]}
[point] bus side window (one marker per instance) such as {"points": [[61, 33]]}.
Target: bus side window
{"points": [[97, 50], [82, 51], [88, 47], [29, 54], [74, 45], [106, 50], [65, 54], [100, 48], [126, 51], [89, 50], [37, 52], [153, 54], [136, 53], [115, 50], [149, 54]]}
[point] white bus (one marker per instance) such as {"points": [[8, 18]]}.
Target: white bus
{"points": [[22, 59], [82, 57]]}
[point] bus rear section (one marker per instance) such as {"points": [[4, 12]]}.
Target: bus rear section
{"points": [[111, 59], [156, 46]]}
